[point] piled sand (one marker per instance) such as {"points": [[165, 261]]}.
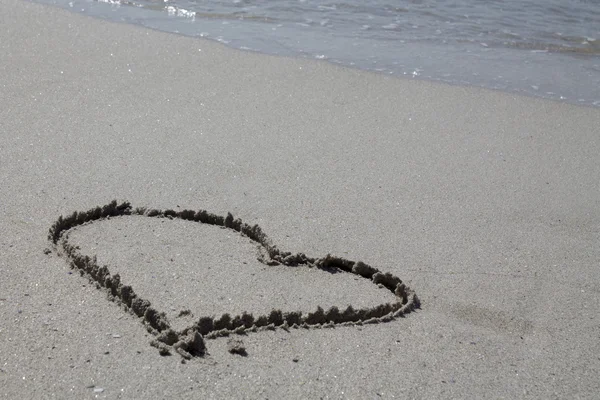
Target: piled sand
{"points": [[485, 204], [224, 276]]}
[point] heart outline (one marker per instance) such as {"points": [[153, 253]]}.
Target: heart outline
{"points": [[190, 341]]}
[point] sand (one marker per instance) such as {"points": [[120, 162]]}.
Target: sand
{"points": [[485, 204]]}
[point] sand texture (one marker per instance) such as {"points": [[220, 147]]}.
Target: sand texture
{"points": [[479, 209]]}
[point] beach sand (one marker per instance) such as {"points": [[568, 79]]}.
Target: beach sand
{"points": [[486, 204]]}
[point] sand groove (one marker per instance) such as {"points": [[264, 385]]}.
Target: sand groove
{"points": [[190, 342]]}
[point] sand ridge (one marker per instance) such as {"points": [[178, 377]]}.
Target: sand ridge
{"points": [[190, 341]]}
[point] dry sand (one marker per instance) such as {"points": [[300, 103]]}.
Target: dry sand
{"points": [[486, 204]]}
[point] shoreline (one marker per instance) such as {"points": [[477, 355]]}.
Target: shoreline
{"points": [[490, 74]]}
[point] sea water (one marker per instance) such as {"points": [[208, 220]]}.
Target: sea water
{"points": [[543, 48]]}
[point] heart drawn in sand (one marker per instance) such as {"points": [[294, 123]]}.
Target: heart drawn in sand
{"points": [[190, 341]]}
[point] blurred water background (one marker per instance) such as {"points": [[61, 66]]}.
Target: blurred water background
{"points": [[543, 48]]}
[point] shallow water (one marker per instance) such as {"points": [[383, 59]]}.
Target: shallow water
{"points": [[545, 48]]}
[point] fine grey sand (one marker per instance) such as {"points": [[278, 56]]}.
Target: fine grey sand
{"points": [[484, 203]]}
